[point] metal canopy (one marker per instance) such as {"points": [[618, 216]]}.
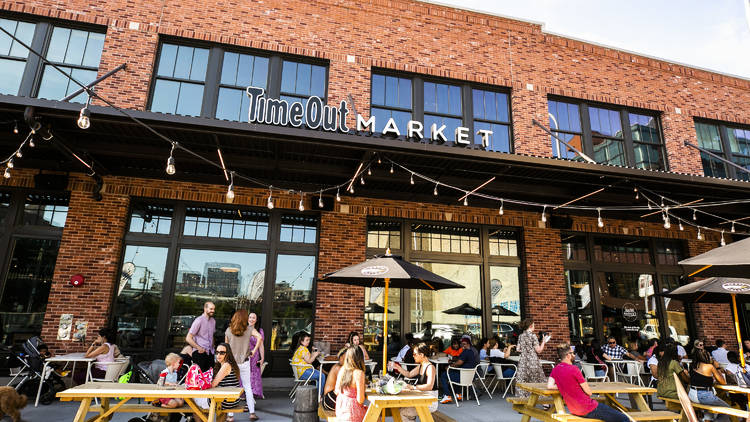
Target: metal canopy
{"points": [[310, 160]]}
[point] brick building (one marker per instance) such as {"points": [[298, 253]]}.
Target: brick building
{"points": [[152, 246]]}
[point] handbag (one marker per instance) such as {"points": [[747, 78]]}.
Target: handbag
{"points": [[197, 379]]}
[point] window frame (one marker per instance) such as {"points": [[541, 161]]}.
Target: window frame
{"points": [[212, 83], [34, 68], [627, 138], [467, 105], [726, 149]]}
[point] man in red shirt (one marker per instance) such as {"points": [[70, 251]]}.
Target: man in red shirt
{"points": [[576, 392]]}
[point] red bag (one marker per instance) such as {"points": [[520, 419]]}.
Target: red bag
{"points": [[197, 379]]}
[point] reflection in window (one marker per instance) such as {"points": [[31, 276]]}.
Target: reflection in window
{"points": [[299, 228], [149, 218], [45, 210], [565, 122], [506, 300], [78, 53], [628, 306], [607, 136], [373, 327], [578, 294], [491, 112], [180, 76], [503, 243], [453, 311], [27, 285], [237, 73], [647, 141], [303, 80], [12, 55], [442, 106], [621, 251], [438, 238], [383, 234], [139, 296], [669, 253], [226, 223], [574, 248], [708, 138], [676, 311], [292, 299], [739, 143], [231, 280], [391, 98]]}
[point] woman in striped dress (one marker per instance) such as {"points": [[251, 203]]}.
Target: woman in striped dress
{"points": [[226, 374]]}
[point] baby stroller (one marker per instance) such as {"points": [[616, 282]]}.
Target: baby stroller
{"points": [[30, 375]]}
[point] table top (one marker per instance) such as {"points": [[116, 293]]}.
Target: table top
{"points": [[442, 360], [70, 357], [114, 389], [406, 396], [733, 388], [596, 388]]}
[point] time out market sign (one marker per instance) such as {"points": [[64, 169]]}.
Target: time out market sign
{"points": [[315, 114]]}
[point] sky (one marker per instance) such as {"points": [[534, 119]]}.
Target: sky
{"points": [[710, 34]]}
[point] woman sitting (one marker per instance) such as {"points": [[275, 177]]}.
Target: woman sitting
{"points": [[354, 340], [667, 365], [103, 351], [455, 348], [329, 395], [702, 379], [350, 388], [499, 354], [304, 359], [425, 374]]}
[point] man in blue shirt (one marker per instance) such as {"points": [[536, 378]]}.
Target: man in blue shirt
{"points": [[465, 360]]}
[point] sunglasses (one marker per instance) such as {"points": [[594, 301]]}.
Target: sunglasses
{"points": [[612, 342], [221, 352]]}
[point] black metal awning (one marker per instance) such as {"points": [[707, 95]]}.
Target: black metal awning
{"points": [[302, 159]]}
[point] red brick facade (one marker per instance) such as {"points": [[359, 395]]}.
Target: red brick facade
{"points": [[355, 37]]}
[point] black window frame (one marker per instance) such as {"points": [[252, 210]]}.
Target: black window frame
{"points": [[467, 105], [627, 139], [726, 149], [34, 69], [212, 82]]}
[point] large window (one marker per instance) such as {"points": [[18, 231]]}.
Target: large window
{"points": [[210, 81], [76, 50], [178, 256], [482, 259], [439, 103], [728, 142], [607, 134]]}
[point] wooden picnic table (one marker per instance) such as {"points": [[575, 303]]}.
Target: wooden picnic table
{"points": [[608, 390], [380, 403], [111, 390]]}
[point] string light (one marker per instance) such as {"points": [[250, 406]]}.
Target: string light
{"points": [[10, 164], [369, 172], [269, 202], [320, 200], [667, 223], [681, 228], [694, 216], [544, 214], [351, 189], [230, 190], [435, 191], [15, 127], [700, 236], [411, 180], [301, 203], [379, 162], [84, 118], [466, 200], [732, 229], [637, 195], [338, 195], [500, 211], [19, 154], [170, 161], [391, 168], [599, 221], [723, 242], [7, 173], [662, 202], [31, 141], [361, 180]]}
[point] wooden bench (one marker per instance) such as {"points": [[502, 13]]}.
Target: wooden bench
{"points": [[659, 415], [326, 415], [734, 413], [524, 400], [148, 408]]}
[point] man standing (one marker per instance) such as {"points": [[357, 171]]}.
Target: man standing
{"points": [[201, 337], [576, 392], [720, 353], [465, 360]]}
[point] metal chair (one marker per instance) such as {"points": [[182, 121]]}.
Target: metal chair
{"points": [[630, 371], [482, 369], [408, 367], [589, 371], [499, 376], [465, 380], [297, 370]]}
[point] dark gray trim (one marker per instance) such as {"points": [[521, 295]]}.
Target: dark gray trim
{"points": [[211, 87]]}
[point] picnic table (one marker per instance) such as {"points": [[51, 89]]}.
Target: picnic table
{"points": [[380, 404], [607, 390], [111, 390]]}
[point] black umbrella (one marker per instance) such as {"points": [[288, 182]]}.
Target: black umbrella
{"points": [[464, 309], [498, 310], [389, 271], [715, 290], [732, 260], [374, 308]]}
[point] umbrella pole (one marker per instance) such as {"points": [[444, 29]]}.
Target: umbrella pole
{"points": [[737, 330], [385, 328]]}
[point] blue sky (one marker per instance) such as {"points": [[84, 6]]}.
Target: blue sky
{"points": [[711, 34]]}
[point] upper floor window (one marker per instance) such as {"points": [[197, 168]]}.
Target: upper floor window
{"points": [[211, 81], [439, 103], [75, 51], [730, 143], [610, 135]]}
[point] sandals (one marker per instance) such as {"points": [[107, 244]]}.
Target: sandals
{"points": [[254, 417]]}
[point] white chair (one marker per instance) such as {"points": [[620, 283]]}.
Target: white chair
{"points": [[298, 379], [589, 371], [482, 369], [465, 380], [498, 368], [114, 369], [371, 366], [629, 371], [408, 367]]}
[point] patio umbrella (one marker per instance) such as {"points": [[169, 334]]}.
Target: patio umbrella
{"points": [[374, 308], [389, 271], [464, 309], [498, 310], [715, 290], [732, 260]]}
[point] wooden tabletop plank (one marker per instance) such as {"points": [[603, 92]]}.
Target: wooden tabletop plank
{"points": [[596, 388], [733, 388], [113, 389]]}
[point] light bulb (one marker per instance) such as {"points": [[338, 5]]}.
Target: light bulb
{"points": [[637, 195], [466, 200], [84, 118], [301, 205], [338, 195], [7, 173], [379, 160], [230, 194], [15, 127], [662, 202], [269, 203], [19, 154], [369, 172], [649, 206], [599, 221], [170, 166], [732, 229], [667, 223], [320, 202], [411, 180], [435, 191], [391, 169], [700, 236], [544, 214], [681, 228], [361, 180], [694, 216], [351, 189], [10, 164], [723, 242], [31, 142], [500, 211]]}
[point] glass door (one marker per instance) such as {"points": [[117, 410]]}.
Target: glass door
{"points": [[628, 306]]}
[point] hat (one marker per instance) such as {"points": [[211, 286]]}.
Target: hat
{"points": [[466, 339]]}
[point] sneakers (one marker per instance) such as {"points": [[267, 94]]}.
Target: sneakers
{"points": [[458, 397], [446, 400]]}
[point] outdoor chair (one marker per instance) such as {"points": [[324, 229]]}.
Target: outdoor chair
{"points": [[482, 369], [589, 371], [465, 381], [298, 379], [408, 367], [498, 368], [113, 372], [630, 371]]}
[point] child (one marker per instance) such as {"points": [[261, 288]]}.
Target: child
{"points": [[174, 362]]}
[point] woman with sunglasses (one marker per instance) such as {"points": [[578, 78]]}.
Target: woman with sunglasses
{"points": [[425, 374], [226, 374]]}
